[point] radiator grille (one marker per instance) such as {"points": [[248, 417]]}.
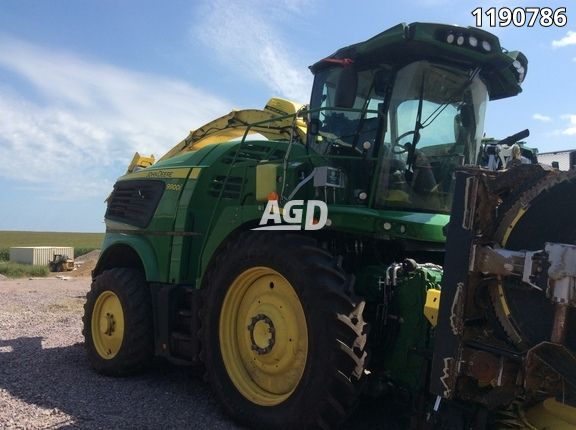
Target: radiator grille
{"points": [[134, 202]]}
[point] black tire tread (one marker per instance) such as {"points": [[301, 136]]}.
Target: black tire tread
{"points": [[345, 360], [138, 344]]}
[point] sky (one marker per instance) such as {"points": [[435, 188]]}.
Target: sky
{"points": [[85, 84]]}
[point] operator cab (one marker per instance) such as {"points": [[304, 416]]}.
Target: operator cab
{"points": [[420, 123], [401, 116]]}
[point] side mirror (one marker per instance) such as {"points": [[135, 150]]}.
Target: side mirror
{"points": [[313, 126], [466, 115], [347, 86], [382, 82]]}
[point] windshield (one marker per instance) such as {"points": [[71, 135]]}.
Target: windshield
{"points": [[436, 121]]}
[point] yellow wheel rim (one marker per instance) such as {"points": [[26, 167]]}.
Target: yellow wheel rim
{"points": [[263, 336], [107, 325]]}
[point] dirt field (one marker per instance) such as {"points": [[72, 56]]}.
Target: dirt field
{"points": [[46, 383]]}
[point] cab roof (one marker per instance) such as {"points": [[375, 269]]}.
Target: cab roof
{"points": [[501, 71]]}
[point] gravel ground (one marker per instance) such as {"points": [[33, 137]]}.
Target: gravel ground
{"points": [[46, 382]]}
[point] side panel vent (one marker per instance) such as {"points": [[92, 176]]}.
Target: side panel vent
{"points": [[134, 202], [232, 188], [277, 154], [247, 153]]}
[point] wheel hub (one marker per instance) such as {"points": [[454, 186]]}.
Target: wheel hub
{"points": [[107, 325], [262, 334], [110, 324]]}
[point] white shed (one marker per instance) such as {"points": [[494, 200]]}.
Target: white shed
{"points": [[38, 255], [566, 159]]}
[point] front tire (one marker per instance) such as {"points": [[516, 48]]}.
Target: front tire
{"points": [[283, 340], [118, 324]]}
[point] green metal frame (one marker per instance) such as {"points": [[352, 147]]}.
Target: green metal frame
{"points": [[191, 222]]}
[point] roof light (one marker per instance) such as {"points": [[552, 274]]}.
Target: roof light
{"points": [[450, 38], [521, 74], [486, 46], [460, 40], [473, 41], [520, 70]]}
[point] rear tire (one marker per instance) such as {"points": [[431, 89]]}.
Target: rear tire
{"points": [[118, 323], [283, 340]]}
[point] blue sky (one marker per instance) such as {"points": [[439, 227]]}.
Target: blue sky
{"points": [[85, 84]]}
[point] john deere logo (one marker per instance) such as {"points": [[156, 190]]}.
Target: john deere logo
{"points": [[290, 217]]}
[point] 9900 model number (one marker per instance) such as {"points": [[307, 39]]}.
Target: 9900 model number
{"points": [[521, 16], [173, 187]]}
